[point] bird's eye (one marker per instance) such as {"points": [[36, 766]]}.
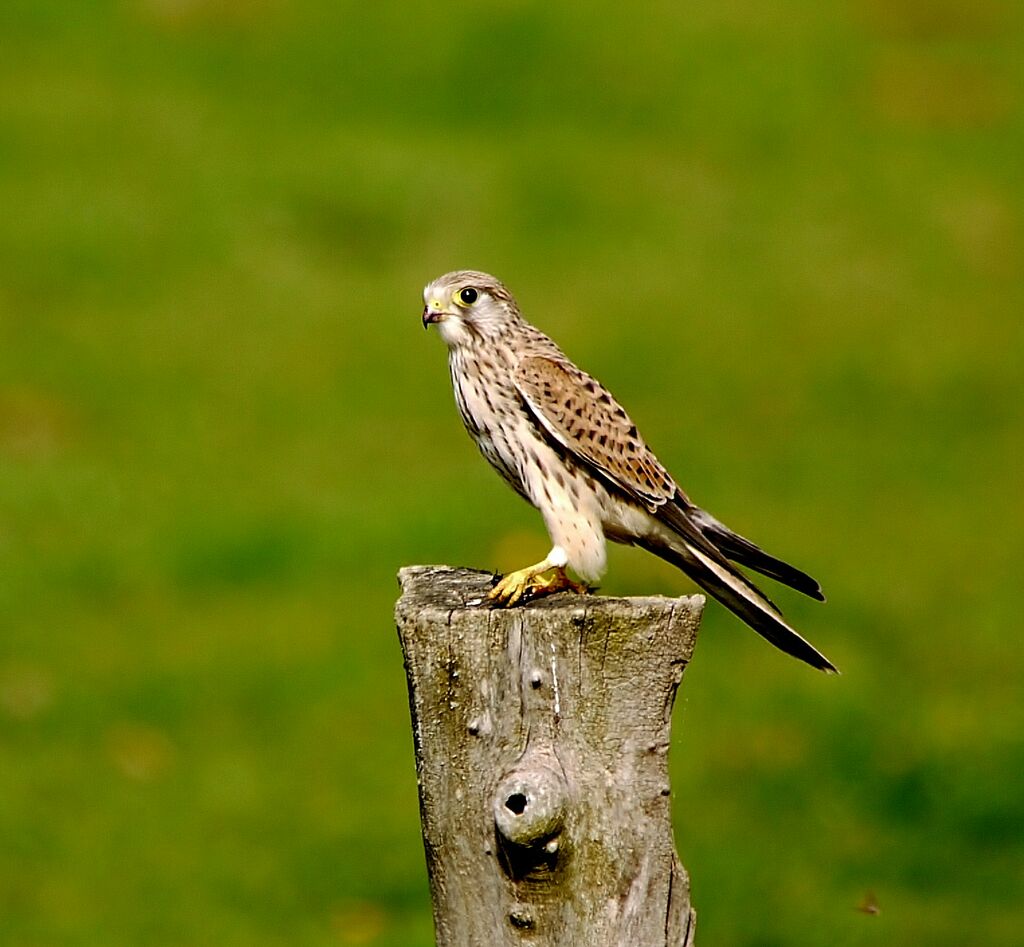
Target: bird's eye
{"points": [[467, 296]]}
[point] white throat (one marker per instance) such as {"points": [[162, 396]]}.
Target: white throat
{"points": [[454, 332]]}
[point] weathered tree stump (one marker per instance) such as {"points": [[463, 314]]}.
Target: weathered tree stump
{"points": [[542, 736]]}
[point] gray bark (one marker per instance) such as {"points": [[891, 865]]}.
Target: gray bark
{"points": [[541, 735]]}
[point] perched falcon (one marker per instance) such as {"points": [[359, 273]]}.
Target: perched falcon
{"points": [[562, 442]]}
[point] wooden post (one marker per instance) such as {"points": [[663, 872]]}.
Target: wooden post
{"points": [[542, 736]]}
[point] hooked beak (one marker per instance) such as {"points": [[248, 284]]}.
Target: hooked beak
{"points": [[431, 316]]}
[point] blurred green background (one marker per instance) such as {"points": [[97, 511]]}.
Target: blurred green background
{"points": [[788, 236]]}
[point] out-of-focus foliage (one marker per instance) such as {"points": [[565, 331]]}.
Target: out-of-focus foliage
{"points": [[788, 236]]}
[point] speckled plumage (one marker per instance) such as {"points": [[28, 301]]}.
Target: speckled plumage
{"points": [[560, 440]]}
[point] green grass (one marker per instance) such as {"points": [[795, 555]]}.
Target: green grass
{"points": [[789, 238]]}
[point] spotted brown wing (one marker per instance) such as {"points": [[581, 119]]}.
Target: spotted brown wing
{"points": [[580, 414]]}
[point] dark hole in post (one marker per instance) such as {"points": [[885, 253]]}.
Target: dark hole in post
{"points": [[516, 803], [520, 862]]}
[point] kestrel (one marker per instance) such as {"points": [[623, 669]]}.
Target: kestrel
{"points": [[561, 441]]}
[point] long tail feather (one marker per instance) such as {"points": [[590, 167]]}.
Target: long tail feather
{"points": [[741, 598], [694, 553], [746, 553]]}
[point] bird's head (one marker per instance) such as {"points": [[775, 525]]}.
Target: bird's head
{"points": [[467, 305]]}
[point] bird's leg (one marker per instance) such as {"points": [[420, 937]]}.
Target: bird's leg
{"points": [[559, 582], [515, 585]]}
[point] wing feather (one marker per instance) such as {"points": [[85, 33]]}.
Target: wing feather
{"points": [[582, 416]]}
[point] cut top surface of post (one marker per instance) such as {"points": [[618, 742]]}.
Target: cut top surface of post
{"points": [[444, 589]]}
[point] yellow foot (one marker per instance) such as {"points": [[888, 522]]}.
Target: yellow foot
{"points": [[559, 582], [527, 583]]}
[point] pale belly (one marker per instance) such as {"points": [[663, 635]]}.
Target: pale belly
{"points": [[580, 513]]}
